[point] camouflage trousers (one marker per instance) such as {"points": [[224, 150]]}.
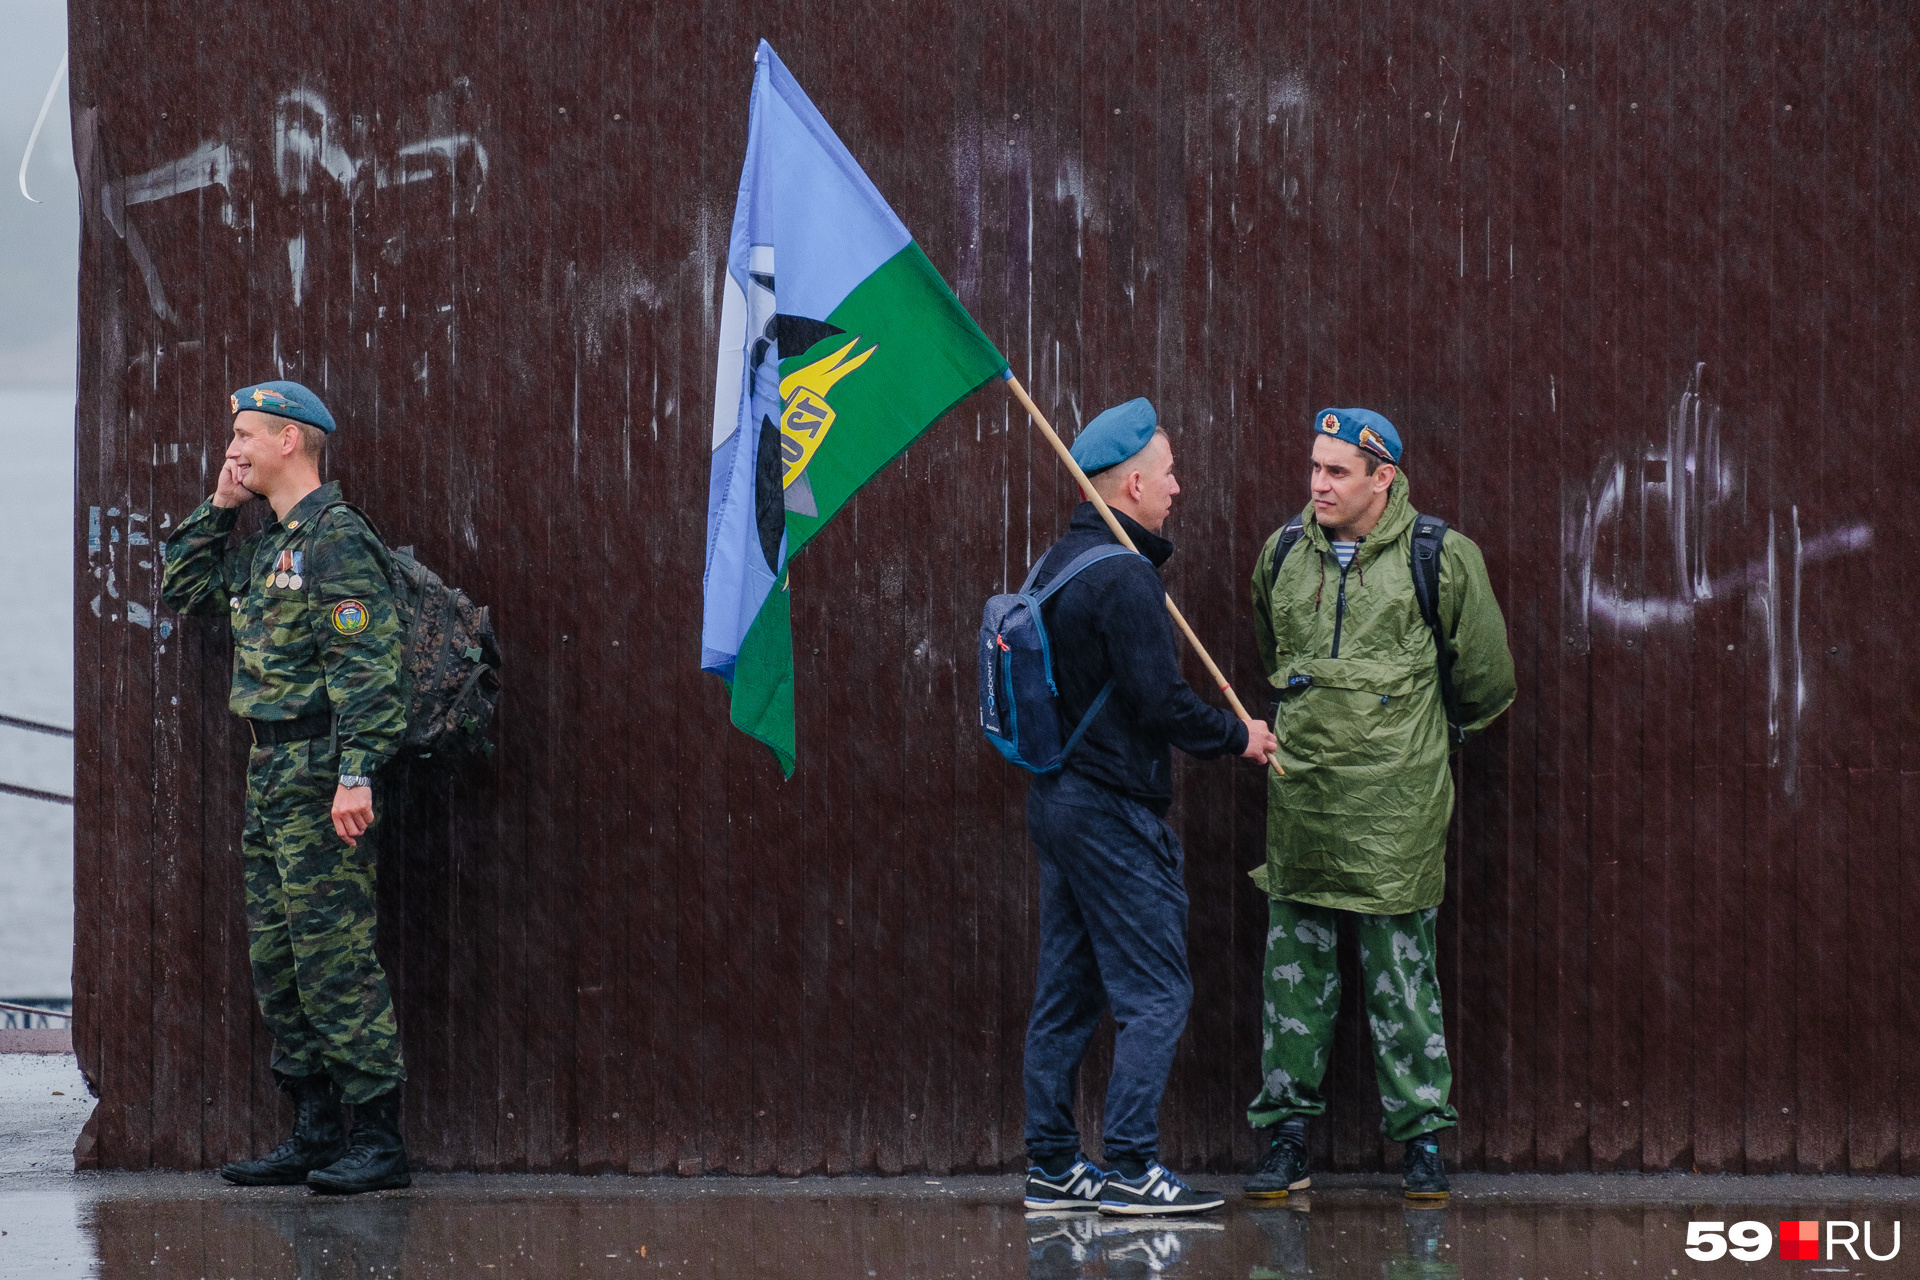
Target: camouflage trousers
{"points": [[1301, 986], [310, 927]]}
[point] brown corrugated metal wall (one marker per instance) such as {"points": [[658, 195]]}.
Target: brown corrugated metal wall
{"points": [[1635, 280]]}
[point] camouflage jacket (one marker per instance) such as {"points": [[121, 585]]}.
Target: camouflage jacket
{"points": [[315, 628]]}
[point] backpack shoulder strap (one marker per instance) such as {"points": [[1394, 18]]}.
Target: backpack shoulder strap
{"points": [[1290, 533], [343, 504], [1086, 721], [1428, 533], [1424, 556], [1033, 573], [1091, 556], [386, 553], [1085, 559]]}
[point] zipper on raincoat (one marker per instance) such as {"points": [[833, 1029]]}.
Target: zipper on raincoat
{"points": [[1340, 601], [1340, 609]]}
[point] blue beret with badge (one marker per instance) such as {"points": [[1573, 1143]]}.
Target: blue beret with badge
{"points": [[283, 400], [1362, 428], [1115, 435]]}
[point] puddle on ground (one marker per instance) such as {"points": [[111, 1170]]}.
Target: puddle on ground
{"points": [[795, 1236]]}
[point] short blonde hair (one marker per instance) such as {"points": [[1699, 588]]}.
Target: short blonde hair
{"points": [[313, 441]]}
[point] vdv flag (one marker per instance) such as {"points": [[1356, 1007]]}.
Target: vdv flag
{"points": [[839, 344]]}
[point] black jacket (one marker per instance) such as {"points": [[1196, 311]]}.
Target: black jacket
{"points": [[1112, 620]]}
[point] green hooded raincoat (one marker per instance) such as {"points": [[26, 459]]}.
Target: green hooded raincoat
{"points": [[1359, 820]]}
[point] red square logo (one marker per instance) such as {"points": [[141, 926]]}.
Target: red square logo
{"points": [[1800, 1241]]}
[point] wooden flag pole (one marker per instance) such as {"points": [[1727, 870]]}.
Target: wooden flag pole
{"points": [[1106, 513]]}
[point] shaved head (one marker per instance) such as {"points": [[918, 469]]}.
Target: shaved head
{"points": [[1143, 486]]}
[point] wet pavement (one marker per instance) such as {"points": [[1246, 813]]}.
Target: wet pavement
{"points": [[1517, 1228], [43, 1103], [54, 1222]]}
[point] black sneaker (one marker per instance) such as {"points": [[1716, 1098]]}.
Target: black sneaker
{"points": [[1154, 1192], [1285, 1167], [1422, 1175], [1077, 1188]]}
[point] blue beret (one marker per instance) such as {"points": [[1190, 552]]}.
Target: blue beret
{"points": [[1115, 435], [283, 400], [1362, 428]]}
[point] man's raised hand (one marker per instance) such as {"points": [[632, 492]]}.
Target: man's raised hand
{"points": [[231, 492]]}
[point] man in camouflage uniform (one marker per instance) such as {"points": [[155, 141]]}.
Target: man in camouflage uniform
{"points": [[1357, 822], [317, 649]]}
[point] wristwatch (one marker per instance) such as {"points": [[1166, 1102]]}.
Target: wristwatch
{"points": [[354, 780]]}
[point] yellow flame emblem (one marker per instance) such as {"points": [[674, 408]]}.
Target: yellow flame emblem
{"points": [[805, 415]]}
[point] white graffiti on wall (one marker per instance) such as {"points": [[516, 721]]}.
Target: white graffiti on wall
{"points": [[307, 147], [1692, 486]]}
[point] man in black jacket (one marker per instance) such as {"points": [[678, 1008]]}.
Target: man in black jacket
{"points": [[1113, 901]]}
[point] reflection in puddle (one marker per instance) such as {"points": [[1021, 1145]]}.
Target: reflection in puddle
{"points": [[1286, 1233], [582, 1227], [1064, 1245], [365, 1238]]}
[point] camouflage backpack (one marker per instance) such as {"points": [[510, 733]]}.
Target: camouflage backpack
{"points": [[452, 660]]}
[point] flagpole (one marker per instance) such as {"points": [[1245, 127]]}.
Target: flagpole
{"points": [[1106, 513]]}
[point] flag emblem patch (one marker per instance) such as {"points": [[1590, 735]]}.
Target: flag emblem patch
{"points": [[805, 416], [350, 617]]}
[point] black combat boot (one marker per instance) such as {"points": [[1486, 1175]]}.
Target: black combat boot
{"points": [[1423, 1176], [318, 1138], [377, 1159], [1285, 1167]]}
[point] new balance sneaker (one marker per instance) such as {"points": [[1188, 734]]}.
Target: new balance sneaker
{"points": [[1285, 1167], [1077, 1188], [1422, 1175], [1154, 1192]]}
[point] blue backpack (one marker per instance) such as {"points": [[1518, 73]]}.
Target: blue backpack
{"points": [[1019, 702]]}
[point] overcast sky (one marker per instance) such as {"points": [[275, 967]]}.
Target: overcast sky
{"points": [[39, 243]]}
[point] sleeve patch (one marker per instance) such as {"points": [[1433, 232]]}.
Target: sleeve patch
{"points": [[350, 617]]}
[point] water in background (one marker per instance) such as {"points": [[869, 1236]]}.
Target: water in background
{"points": [[36, 683]]}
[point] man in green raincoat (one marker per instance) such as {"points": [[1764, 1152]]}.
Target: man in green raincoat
{"points": [[1357, 822]]}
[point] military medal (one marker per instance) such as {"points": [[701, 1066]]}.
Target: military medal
{"points": [[295, 581], [286, 571]]}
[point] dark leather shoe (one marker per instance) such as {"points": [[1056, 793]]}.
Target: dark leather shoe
{"points": [[318, 1138], [377, 1158], [1285, 1167]]}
